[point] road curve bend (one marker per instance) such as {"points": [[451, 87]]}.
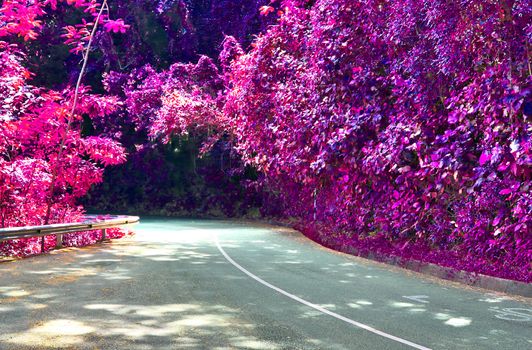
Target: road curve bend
{"points": [[205, 284]]}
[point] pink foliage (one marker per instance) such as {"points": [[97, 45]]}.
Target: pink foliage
{"points": [[33, 123], [184, 100], [396, 126], [116, 26], [21, 18], [403, 124]]}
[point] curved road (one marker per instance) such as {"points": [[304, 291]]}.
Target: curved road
{"points": [[185, 284]]}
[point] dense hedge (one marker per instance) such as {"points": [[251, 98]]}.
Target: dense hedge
{"points": [[404, 125]]}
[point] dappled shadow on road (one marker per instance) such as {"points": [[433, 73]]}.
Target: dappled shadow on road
{"points": [[131, 294], [375, 295], [162, 290]]}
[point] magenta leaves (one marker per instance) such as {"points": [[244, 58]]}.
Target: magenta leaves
{"points": [[45, 162], [397, 126], [400, 124]]}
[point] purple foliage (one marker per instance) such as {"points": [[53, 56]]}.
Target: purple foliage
{"points": [[403, 124]]}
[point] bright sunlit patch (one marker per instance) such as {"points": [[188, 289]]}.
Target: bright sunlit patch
{"points": [[458, 321], [205, 320], [35, 306], [401, 304], [110, 276], [347, 264], [63, 327], [358, 304], [493, 299], [44, 296], [16, 293], [55, 334], [254, 344], [164, 258], [144, 310], [292, 262], [453, 321], [417, 309], [41, 272], [6, 308]]}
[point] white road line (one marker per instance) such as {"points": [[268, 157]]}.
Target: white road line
{"points": [[314, 306]]}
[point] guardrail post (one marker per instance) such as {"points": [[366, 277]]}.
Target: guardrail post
{"points": [[59, 241], [104, 234]]}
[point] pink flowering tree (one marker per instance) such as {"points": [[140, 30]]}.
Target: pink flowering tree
{"points": [[46, 163]]}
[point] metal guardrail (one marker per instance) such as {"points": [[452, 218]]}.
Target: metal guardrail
{"points": [[91, 223]]}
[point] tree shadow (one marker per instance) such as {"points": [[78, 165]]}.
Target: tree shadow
{"points": [[127, 295], [163, 290]]}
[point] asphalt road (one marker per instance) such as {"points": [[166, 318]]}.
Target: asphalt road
{"points": [[185, 284]]}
